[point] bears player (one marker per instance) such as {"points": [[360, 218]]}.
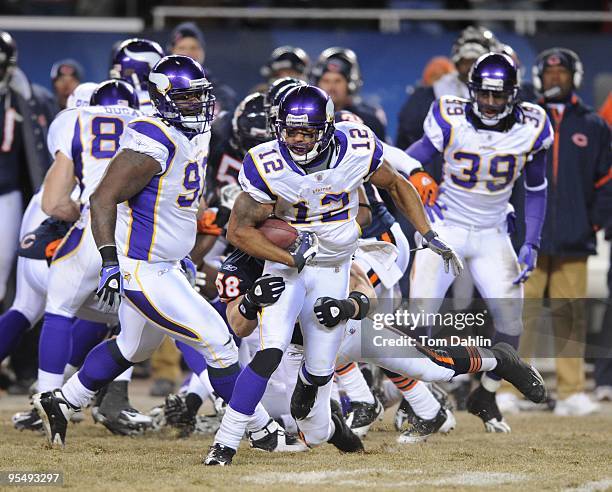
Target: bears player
{"points": [[143, 217], [132, 61], [308, 176], [487, 141]]}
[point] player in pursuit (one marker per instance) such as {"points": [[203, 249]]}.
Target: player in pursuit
{"points": [[309, 177], [487, 141], [143, 217]]}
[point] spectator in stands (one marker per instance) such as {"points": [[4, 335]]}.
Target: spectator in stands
{"points": [[25, 112], [337, 72], [66, 75], [284, 61], [187, 39], [579, 202]]}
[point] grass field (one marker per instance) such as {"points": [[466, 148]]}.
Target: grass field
{"points": [[542, 453]]}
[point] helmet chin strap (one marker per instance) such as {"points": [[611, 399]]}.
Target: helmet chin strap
{"points": [[304, 158], [494, 120]]}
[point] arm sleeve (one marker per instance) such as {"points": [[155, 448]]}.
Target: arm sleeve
{"points": [[253, 183], [422, 150], [400, 160], [436, 127], [150, 139], [377, 158], [535, 198]]}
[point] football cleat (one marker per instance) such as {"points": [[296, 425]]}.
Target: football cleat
{"points": [[482, 403], [207, 425], [363, 415], [274, 439], [219, 455], [523, 376], [29, 420], [303, 399], [420, 429], [178, 416], [55, 413], [343, 438], [127, 422]]}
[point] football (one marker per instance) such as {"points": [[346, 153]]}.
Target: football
{"points": [[279, 232]]}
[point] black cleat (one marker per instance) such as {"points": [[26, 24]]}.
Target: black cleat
{"points": [[219, 455], [29, 420], [303, 399], [363, 415], [523, 376], [126, 422], [481, 403], [420, 429], [344, 438], [178, 415], [55, 413], [274, 439]]}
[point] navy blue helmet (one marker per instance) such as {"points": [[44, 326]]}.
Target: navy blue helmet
{"points": [[305, 108], [494, 85], [133, 59], [114, 93], [250, 123], [182, 94], [8, 57]]}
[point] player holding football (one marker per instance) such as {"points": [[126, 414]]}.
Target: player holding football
{"points": [[308, 176], [486, 142], [143, 217]]}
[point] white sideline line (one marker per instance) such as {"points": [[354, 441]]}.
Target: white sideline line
{"points": [[316, 477], [605, 484]]}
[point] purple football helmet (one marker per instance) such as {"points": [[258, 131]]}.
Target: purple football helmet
{"points": [[493, 84], [305, 108], [133, 59], [114, 93], [182, 94]]}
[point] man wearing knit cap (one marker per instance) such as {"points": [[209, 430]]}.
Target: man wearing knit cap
{"points": [[66, 75]]}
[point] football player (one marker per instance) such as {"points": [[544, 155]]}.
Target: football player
{"points": [[143, 217], [487, 141], [132, 61], [309, 176]]}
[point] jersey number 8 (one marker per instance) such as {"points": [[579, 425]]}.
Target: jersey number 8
{"points": [[107, 132]]}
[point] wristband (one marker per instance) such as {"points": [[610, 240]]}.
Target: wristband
{"points": [[108, 252], [248, 308], [363, 303], [430, 235]]}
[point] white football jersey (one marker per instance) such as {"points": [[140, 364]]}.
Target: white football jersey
{"points": [[324, 202], [481, 166], [89, 136], [159, 223]]}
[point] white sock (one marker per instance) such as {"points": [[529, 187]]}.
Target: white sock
{"points": [[259, 419], [489, 362], [76, 394], [125, 375], [69, 371], [489, 383], [354, 384], [48, 381], [335, 391], [422, 401], [289, 422], [196, 386], [232, 428]]}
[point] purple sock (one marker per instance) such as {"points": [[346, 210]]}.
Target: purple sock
{"points": [[85, 336], [223, 380], [194, 359], [13, 325], [251, 389], [103, 364], [55, 343]]}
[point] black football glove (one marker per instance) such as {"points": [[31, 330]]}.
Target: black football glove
{"points": [[330, 311], [265, 291]]}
